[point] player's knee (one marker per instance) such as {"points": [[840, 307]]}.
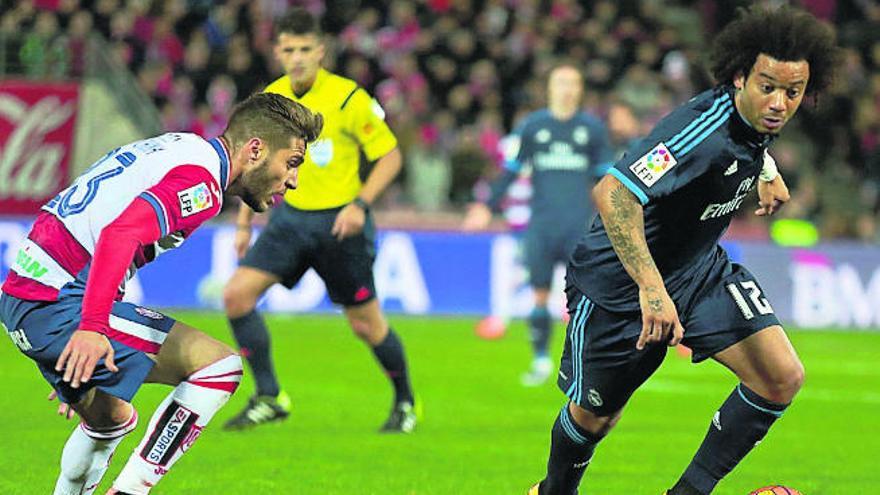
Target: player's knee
{"points": [[121, 413], [786, 383], [222, 374], [221, 352], [370, 330], [792, 382], [211, 351], [598, 426], [106, 413], [371, 333], [238, 301], [360, 327]]}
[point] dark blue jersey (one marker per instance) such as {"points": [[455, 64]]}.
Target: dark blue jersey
{"points": [[565, 158], [690, 174]]}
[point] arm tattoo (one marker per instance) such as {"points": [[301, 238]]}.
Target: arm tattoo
{"points": [[624, 224]]}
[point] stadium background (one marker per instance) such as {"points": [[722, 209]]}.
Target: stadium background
{"points": [[81, 77]]}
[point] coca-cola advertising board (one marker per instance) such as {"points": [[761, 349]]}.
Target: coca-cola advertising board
{"points": [[37, 122]]}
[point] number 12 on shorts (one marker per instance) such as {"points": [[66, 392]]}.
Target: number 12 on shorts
{"points": [[759, 303]]}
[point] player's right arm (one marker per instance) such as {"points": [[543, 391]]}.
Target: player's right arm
{"points": [[155, 213], [623, 217], [135, 227]]}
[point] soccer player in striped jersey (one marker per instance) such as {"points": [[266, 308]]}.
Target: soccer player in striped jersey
{"points": [[650, 273], [62, 301]]}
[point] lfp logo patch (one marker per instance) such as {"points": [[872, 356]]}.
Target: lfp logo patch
{"points": [[653, 165], [195, 199]]}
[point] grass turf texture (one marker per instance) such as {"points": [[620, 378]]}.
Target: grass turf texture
{"points": [[482, 432]]}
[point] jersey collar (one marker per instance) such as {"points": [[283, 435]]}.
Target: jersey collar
{"points": [[319, 79], [223, 153]]}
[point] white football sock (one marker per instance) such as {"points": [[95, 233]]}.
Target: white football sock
{"points": [[86, 456], [177, 423]]}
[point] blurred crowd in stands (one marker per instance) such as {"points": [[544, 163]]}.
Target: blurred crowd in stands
{"points": [[455, 75]]}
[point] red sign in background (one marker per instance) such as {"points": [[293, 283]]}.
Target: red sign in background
{"points": [[37, 122]]}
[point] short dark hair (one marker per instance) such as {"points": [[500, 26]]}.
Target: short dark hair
{"points": [[298, 21], [273, 118], [786, 34]]}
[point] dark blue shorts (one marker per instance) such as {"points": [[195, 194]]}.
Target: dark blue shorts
{"points": [[601, 367], [41, 330], [296, 240], [543, 248]]}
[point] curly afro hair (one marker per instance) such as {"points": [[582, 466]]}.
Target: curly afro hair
{"points": [[786, 34]]}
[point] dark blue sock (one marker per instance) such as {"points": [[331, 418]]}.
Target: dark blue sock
{"points": [[740, 423], [571, 449], [539, 326], [253, 340], [390, 354]]}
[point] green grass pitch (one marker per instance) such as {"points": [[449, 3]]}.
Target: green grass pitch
{"points": [[482, 433]]}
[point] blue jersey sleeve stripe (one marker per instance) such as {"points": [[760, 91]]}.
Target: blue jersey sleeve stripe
{"points": [[703, 136], [643, 198], [603, 168], [160, 211], [723, 99], [721, 113]]}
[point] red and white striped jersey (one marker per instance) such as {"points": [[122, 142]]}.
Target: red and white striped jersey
{"points": [[155, 191]]}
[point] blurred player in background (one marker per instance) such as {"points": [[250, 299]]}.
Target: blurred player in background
{"points": [[650, 271], [566, 150], [325, 225], [61, 302]]}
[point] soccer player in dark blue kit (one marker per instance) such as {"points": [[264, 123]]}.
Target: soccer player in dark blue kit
{"points": [[567, 151], [650, 271]]}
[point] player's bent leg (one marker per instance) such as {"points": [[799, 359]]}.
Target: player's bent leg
{"points": [[771, 374], [185, 351], [599, 372], [206, 373], [240, 298], [540, 327], [573, 440], [86, 455], [766, 363], [369, 324]]}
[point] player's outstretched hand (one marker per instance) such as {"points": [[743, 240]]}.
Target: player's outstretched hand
{"points": [[771, 196], [81, 354], [477, 217], [64, 409], [349, 221], [659, 318]]}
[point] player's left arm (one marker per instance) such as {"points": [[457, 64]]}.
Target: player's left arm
{"points": [[366, 121], [353, 216], [384, 172], [772, 191]]}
